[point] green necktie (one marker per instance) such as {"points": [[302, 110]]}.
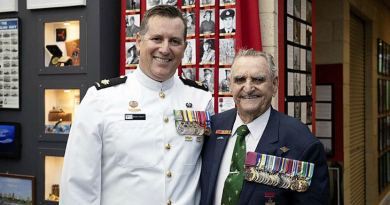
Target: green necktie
{"points": [[233, 183]]}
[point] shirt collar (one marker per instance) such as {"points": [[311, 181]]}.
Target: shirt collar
{"points": [[256, 127], [148, 82]]}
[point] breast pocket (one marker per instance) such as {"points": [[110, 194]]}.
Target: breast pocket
{"points": [[190, 151], [135, 144]]}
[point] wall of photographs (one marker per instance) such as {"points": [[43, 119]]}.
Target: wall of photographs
{"points": [[298, 57], [211, 42], [383, 114]]}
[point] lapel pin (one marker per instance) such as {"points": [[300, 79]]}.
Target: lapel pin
{"points": [[220, 138], [284, 149]]}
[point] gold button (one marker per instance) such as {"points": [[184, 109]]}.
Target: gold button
{"points": [[169, 174], [166, 119], [168, 146], [162, 95], [169, 202]]}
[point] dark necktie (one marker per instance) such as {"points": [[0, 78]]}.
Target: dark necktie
{"points": [[233, 183]]}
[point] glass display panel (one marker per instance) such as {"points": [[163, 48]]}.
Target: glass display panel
{"points": [[60, 108], [53, 172], [62, 44]]}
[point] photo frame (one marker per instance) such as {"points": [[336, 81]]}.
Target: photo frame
{"points": [[42, 4], [9, 64], [8, 6], [9, 140], [19, 185]]}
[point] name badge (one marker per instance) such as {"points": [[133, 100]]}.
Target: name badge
{"points": [[135, 117]]}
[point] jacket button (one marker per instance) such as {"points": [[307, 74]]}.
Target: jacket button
{"points": [[169, 202], [166, 119], [167, 146], [162, 95], [169, 174]]}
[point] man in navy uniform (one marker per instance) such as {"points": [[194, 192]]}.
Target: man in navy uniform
{"points": [[253, 83], [227, 17], [124, 147]]}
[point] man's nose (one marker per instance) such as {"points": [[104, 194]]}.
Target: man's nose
{"points": [[248, 86], [164, 47]]}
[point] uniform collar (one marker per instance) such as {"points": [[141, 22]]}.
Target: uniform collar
{"points": [[152, 84], [256, 127]]}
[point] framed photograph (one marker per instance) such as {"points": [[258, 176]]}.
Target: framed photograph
{"points": [[185, 4], [227, 22], [9, 139], [9, 64], [308, 61], [42, 4], [207, 51], [132, 55], [204, 3], [189, 73], [206, 77], [207, 22], [191, 19], [290, 56], [227, 2], [227, 51], [380, 56], [290, 29], [308, 12], [152, 3], [133, 5], [225, 103], [22, 188], [290, 7], [132, 26], [328, 146], [309, 38], [297, 32], [8, 6], [297, 59], [297, 8], [169, 2], [190, 53], [224, 73]]}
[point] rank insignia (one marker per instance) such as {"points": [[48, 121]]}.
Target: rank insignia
{"points": [[284, 149], [133, 104], [105, 82]]}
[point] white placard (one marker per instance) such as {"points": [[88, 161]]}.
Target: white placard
{"points": [[324, 128], [324, 111], [8, 5], [324, 93], [41, 4]]}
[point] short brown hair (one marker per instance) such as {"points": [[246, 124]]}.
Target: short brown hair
{"points": [[162, 11]]}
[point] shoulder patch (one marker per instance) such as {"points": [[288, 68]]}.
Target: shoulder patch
{"points": [[195, 84], [110, 82]]}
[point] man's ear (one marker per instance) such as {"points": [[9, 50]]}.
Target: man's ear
{"points": [[275, 84], [138, 40]]}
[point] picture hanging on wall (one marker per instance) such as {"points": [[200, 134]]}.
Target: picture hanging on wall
{"points": [[9, 64], [22, 188], [8, 6], [42, 4]]}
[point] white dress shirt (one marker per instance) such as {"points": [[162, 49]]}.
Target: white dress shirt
{"points": [[256, 128]]}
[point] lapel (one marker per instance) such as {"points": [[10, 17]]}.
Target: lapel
{"points": [[266, 146], [225, 122]]}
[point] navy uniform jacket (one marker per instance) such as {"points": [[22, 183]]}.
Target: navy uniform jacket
{"points": [[281, 130]]}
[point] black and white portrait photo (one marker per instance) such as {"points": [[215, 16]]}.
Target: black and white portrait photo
{"points": [[297, 110], [227, 51], [308, 61], [170, 2], [206, 77], [309, 112], [308, 85], [190, 53], [297, 84], [296, 58], [189, 73], [133, 5], [190, 16], [227, 2], [227, 23], [132, 56], [204, 3], [132, 25], [297, 8], [224, 73], [309, 12], [187, 4], [207, 51], [207, 22], [152, 3], [297, 32], [309, 36]]}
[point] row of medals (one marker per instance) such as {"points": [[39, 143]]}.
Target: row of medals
{"points": [[284, 181], [293, 180], [195, 127]]}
